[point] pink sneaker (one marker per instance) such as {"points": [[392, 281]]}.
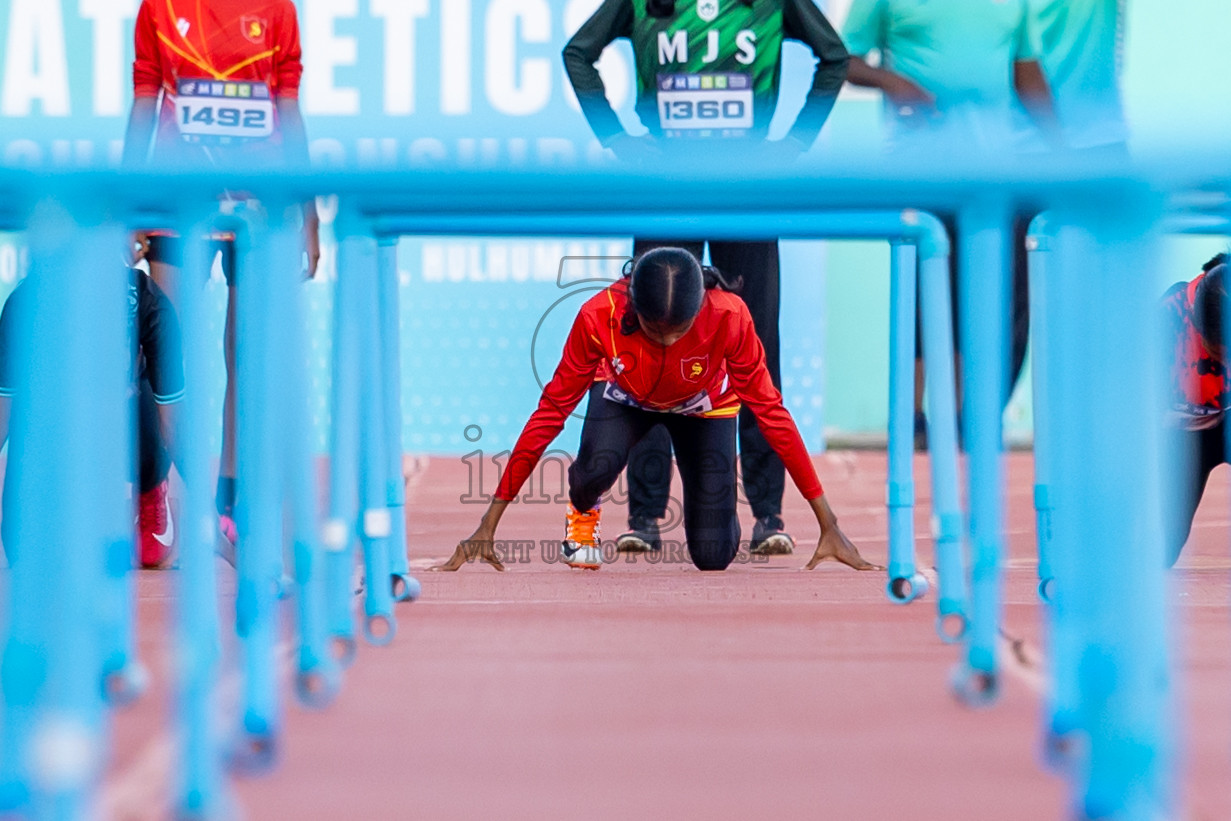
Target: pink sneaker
{"points": [[228, 537], [156, 528]]}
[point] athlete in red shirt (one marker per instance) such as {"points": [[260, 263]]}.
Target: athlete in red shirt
{"points": [[227, 73], [662, 346], [216, 84], [1199, 391]]}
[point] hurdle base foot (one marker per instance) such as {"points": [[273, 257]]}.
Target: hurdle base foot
{"points": [[405, 587]]}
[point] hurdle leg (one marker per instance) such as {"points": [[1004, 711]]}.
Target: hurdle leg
{"points": [[70, 465], [375, 525], [259, 515], [405, 586], [948, 530], [200, 791], [905, 584], [1038, 244], [1108, 558], [1063, 695], [983, 269], [317, 677], [340, 532]]}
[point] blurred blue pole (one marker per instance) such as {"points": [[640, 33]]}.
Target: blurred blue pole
{"points": [[70, 508], [905, 584], [1039, 242], [1109, 555], [983, 273], [1053, 443], [259, 512], [318, 677], [200, 789], [405, 586], [375, 526], [948, 525], [354, 253]]}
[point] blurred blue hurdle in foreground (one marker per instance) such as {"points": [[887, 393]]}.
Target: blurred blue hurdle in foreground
{"points": [[1111, 664]]}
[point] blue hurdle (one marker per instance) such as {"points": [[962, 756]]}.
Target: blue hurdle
{"points": [[1113, 692], [259, 516], [405, 587], [983, 280], [1116, 694], [200, 791], [917, 239], [76, 442]]}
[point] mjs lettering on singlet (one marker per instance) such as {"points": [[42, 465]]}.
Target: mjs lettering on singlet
{"points": [[709, 69], [674, 48]]}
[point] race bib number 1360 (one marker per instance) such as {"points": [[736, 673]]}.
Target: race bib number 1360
{"points": [[223, 111], [698, 103]]}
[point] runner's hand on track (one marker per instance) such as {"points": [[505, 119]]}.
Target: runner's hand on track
{"points": [[834, 546], [480, 546]]}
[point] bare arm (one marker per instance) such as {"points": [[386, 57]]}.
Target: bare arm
{"points": [[1035, 93], [140, 129], [295, 146], [907, 97]]}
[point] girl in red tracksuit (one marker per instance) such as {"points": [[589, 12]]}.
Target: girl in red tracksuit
{"points": [[661, 346]]}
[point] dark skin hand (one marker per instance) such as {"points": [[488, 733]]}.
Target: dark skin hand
{"points": [[481, 544], [833, 545], [1033, 90], [914, 102], [909, 98]]}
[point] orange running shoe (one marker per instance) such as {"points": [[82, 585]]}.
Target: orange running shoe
{"points": [[581, 541]]}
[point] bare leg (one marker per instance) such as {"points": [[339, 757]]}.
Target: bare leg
{"points": [[165, 276], [919, 377], [227, 465]]}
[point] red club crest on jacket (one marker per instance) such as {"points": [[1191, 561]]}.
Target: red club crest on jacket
{"points": [[254, 28], [694, 368]]}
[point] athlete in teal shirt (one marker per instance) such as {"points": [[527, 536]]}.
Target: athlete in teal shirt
{"points": [[951, 67], [1082, 45]]}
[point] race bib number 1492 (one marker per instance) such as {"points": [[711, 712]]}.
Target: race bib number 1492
{"points": [[223, 111], [705, 102]]}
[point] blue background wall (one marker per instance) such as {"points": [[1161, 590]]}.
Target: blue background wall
{"points": [[480, 83]]}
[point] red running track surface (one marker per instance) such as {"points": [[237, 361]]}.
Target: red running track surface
{"points": [[655, 691]]}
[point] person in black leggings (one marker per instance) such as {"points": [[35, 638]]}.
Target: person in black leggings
{"points": [[665, 348]]}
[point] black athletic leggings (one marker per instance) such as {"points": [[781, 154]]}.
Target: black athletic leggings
{"points": [[1195, 454], [764, 475], [153, 460], [704, 451]]}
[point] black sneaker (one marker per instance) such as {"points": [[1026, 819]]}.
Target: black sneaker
{"points": [[642, 536], [769, 539]]}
